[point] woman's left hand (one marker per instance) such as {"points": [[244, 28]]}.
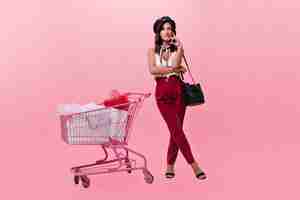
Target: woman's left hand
{"points": [[179, 69], [175, 40]]}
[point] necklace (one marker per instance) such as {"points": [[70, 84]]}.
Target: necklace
{"points": [[165, 53]]}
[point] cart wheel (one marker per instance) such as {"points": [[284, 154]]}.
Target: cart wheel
{"points": [[128, 165], [76, 179], [85, 181], [148, 176]]}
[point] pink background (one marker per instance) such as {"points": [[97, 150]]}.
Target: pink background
{"points": [[245, 53]]}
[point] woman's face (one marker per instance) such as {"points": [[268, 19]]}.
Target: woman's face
{"points": [[166, 33]]}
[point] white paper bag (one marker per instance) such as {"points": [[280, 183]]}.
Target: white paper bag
{"points": [[118, 123]]}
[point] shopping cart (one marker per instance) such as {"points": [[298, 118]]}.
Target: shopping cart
{"points": [[110, 128]]}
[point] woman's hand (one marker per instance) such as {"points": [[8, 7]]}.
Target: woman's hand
{"points": [[175, 40], [179, 69]]}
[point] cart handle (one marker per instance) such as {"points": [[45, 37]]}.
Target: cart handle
{"points": [[138, 93], [144, 95]]}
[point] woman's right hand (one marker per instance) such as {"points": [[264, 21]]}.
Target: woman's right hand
{"points": [[179, 69]]}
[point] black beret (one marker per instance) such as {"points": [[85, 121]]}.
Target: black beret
{"points": [[160, 22]]}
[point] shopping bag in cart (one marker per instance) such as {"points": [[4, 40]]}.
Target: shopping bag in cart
{"points": [[117, 129], [121, 102], [119, 115], [89, 129], [88, 124]]}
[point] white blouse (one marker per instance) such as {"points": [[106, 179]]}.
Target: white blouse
{"points": [[163, 63]]}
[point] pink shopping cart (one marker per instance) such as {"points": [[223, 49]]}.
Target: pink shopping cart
{"points": [[110, 128]]}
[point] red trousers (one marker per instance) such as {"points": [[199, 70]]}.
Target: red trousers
{"points": [[168, 95]]}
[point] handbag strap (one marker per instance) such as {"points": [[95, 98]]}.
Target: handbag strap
{"points": [[188, 68]]}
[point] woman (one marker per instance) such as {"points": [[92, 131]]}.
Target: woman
{"points": [[165, 65]]}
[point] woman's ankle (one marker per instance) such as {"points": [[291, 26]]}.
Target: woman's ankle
{"points": [[195, 167], [170, 167]]}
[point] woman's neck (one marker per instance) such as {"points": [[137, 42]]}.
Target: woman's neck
{"points": [[166, 43]]}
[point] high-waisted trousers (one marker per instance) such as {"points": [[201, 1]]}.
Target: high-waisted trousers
{"points": [[168, 95]]}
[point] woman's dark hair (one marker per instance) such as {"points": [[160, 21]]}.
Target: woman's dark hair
{"points": [[157, 27]]}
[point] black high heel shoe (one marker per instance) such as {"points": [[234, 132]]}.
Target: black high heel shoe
{"points": [[170, 174], [201, 175]]}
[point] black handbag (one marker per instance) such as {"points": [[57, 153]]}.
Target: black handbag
{"points": [[192, 93]]}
